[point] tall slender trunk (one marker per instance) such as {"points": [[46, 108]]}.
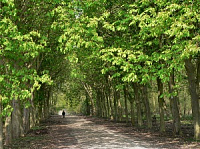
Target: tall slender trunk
{"points": [[115, 105], [108, 104], [1, 124], [120, 115], [138, 104], [32, 112], [147, 107], [161, 105], [104, 104], [110, 92], [87, 105], [198, 80], [92, 106], [88, 89], [8, 130], [26, 119], [131, 100], [101, 104], [98, 101], [46, 103], [126, 104], [190, 69], [17, 123], [174, 105]]}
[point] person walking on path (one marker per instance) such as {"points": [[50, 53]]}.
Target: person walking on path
{"points": [[63, 114]]}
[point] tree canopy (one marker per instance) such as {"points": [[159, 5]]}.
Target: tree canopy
{"points": [[100, 54]]}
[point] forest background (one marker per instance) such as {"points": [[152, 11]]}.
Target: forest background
{"points": [[121, 60]]}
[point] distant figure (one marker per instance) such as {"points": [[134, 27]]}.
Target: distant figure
{"points": [[63, 114], [154, 119]]}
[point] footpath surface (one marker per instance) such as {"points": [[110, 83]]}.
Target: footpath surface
{"points": [[77, 132]]}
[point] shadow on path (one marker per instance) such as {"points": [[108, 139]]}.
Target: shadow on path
{"points": [[77, 132]]}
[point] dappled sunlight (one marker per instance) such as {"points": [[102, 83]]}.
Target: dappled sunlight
{"points": [[76, 132]]}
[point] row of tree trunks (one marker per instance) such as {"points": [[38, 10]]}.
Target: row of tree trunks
{"points": [[105, 108], [22, 119]]}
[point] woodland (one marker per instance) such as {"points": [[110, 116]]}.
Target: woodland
{"points": [[126, 60]]}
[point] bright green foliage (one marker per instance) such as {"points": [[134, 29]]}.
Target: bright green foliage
{"points": [[92, 47]]}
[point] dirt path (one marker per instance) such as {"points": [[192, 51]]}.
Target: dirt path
{"points": [[77, 132]]}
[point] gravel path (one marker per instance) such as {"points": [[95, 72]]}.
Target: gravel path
{"points": [[78, 132], [75, 132]]}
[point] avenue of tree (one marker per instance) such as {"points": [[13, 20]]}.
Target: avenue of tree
{"points": [[118, 59]]}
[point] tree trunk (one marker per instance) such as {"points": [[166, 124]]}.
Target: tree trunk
{"points": [[190, 69], [26, 119], [98, 102], [8, 130], [125, 103], [1, 124], [17, 123], [101, 104], [131, 100], [87, 105], [104, 104], [147, 107], [107, 104], [32, 112], [115, 105], [111, 103], [161, 105], [88, 89], [174, 105], [120, 115], [138, 104]]}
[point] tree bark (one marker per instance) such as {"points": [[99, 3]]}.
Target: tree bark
{"points": [[87, 105], [190, 69], [98, 103], [110, 92], [138, 104], [32, 112], [1, 124], [131, 100], [104, 104], [17, 123], [107, 104], [88, 89], [161, 105], [26, 119], [126, 104], [115, 105], [174, 105], [8, 130], [147, 107]]}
